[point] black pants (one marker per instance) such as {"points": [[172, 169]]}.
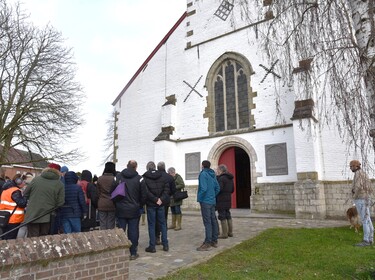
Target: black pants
{"points": [[10, 235]]}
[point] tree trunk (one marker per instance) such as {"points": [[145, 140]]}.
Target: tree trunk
{"points": [[364, 25]]}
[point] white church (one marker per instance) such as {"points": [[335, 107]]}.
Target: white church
{"points": [[207, 91]]}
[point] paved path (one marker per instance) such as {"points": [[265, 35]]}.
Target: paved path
{"points": [[183, 243]]}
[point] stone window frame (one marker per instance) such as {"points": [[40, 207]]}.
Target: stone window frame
{"points": [[192, 174], [210, 84], [281, 159]]}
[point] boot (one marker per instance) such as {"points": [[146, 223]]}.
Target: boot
{"points": [[230, 228], [224, 229], [173, 225], [178, 220]]}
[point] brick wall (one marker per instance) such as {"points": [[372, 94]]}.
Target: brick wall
{"points": [[88, 255]]}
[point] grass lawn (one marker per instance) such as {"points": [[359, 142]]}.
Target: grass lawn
{"points": [[290, 254]]}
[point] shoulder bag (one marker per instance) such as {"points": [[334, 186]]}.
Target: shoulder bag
{"points": [[180, 195], [119, 192], [5, 216]]}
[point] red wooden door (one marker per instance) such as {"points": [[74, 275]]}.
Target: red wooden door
{"points": [[228, 158]]}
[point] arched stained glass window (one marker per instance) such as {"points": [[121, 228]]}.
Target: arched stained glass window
{"points": [[230, 95]]}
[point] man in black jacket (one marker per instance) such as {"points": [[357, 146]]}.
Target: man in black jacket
{"points": [[172, 189], [128, 209], [157, 197]]}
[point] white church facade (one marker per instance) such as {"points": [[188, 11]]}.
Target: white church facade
{"points": [[208, 92]]}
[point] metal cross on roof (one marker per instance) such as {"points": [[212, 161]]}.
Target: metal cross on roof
{"points": [[224, 9], [193, 88], [269, 70]]}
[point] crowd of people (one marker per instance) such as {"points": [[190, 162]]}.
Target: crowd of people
{"points": [[62, 201]]}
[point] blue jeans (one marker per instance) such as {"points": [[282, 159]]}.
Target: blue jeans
{"points": [[133, 232], [363, 208], [71, 225], [176, 210], [156, 214], [211, 226]]}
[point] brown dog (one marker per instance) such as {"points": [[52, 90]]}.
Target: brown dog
{"points": [[353, 217]]}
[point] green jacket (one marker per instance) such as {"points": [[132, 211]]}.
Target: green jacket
{"points": [[180, 185], [44, 193]]}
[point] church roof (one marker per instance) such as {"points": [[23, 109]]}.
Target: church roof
{"points": [[162, 42]]}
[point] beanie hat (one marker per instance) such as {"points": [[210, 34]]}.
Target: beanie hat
{"points": [[54, 166], [110, 167], [64, 169], [86, 175]]}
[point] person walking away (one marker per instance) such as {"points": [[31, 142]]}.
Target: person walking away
{"points": [[176, 204], [75, 205], [106, 207], [361, 191], [157, 195], [91, 198], [14, 202], [172, 189], [208, 188], [224, 200], [128, 208], [45, 193]]}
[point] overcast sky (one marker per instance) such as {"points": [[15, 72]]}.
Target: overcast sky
{"points": [[110, 41]]}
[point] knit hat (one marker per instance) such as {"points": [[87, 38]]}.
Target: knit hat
{"points": [[86, 175], [110, 167], [54, 166], [64, 169]]}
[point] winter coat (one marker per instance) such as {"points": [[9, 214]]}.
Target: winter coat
{"points": [[75, 204], [129, 207], [155, 187], [361, 187], [44, 193], [208, 187], [180, 185], [224, 198], [104, 186]]}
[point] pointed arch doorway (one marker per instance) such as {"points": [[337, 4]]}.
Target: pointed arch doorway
{"points": [[238, 163]]}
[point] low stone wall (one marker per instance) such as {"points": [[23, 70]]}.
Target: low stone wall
{"points": [[99, 254], [338, 198], [191, 202], [308, 199], [273, 197]]}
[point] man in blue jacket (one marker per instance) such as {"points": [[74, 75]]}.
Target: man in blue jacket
{"points": [[208, 189]]}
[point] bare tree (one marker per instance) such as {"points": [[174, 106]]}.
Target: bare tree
{"points": [[325, 52], [109, 141], [39, 102]]}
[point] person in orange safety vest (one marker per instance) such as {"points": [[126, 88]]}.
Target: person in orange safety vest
{"points": [[12, 200]]}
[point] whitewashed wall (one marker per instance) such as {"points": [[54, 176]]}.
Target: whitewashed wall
{"points": [[140, 107]]}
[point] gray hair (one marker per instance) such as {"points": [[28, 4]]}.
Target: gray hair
{"points": [[223, 168], [150, 165], [161, 165], [171, 170]]}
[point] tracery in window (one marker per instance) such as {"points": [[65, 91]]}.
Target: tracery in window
{"points": [[230, 94]]}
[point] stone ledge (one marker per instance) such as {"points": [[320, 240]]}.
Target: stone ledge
{"points": [[47, 248]]}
